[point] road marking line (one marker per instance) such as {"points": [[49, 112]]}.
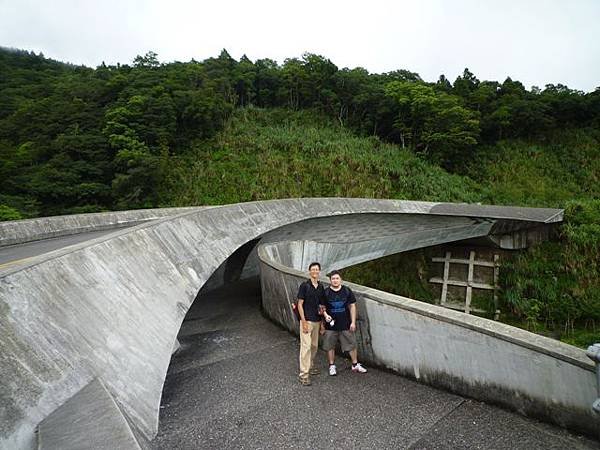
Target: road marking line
{"points": [[16, 261]]}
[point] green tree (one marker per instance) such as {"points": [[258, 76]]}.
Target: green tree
{"points": [[150, 59], [222, 72], [245, 76], [464, 85], [434, 123], [136, 167], [268, 84]]}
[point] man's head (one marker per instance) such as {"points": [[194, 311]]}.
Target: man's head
{"points": [[314, 269], [335, 278]]}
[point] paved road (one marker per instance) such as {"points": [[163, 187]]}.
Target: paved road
{"points": [[15, 253], [233, 385]]}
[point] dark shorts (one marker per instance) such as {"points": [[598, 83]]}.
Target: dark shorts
{"points": [[347, 340]]}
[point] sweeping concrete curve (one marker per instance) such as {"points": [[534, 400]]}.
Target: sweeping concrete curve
{"points": [[100, 319]]}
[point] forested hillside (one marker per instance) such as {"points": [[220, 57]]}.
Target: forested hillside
{"points": [[76, 139]]}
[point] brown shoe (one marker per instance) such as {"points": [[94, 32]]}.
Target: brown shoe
{"points": [[304, 381], [314, 371]]}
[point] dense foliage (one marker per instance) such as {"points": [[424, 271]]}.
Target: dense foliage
{"points": [[559, 284], [75, 139], [406, 274], [550, 172]]}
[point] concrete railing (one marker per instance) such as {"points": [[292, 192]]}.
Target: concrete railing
{"points": [[21, 231], [472, 356], [593, 352]]}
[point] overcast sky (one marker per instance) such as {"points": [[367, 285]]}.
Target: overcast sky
{"points": [[534, 41]]}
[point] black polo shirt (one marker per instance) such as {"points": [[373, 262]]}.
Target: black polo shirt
{"points": [[313, 297]]}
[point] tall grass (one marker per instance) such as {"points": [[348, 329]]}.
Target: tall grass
{"points": [[267, 154], [558, 283], [547, 174]]}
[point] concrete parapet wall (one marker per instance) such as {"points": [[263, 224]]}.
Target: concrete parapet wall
{"points": [[468, 355], [21, 231]]}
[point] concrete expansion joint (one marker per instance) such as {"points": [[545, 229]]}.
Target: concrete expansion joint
{"points": [[431, 430]]}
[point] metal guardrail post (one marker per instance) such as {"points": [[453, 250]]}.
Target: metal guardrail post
{"points": [[593, 352]]}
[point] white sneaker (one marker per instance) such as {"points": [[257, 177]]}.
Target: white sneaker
{"points": [[358, 368], [332, 370]]}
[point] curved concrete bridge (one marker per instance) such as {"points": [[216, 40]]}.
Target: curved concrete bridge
{"points": [[99, 320]]}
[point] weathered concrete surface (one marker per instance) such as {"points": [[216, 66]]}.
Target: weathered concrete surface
{"points": [[523, 238], [542, 215], [14, 254], [20, 231], [347, 240], [469, 355], [89, 420], [111, 308], [233, 385]]}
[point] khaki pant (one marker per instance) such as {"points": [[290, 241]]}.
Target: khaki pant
{"points": [[309, 344]]}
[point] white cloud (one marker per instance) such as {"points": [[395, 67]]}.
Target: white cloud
{"points": [[536, 42]]}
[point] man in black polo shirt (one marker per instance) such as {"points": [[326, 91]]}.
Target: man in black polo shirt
{"points": [[310, 295]]}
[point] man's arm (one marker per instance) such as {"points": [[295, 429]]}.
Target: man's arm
{"points": [[352, 316], [323, 306], [302, 318], [301, 309], [352, 300], [300, 297]]}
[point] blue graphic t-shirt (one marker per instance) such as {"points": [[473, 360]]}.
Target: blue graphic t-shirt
{"points": [[337, 304]]}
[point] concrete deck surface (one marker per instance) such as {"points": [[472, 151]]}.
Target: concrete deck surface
{"points": [[18, 252], [233, 384]]}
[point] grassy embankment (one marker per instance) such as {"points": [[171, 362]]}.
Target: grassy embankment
{"points": [[267, 154]]}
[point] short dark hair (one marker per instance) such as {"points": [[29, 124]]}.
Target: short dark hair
{"points": [[314, 263], [334, 272]]}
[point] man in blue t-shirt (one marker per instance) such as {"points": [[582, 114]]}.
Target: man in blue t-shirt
{"points": [[340, 323], [311, 295]]}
